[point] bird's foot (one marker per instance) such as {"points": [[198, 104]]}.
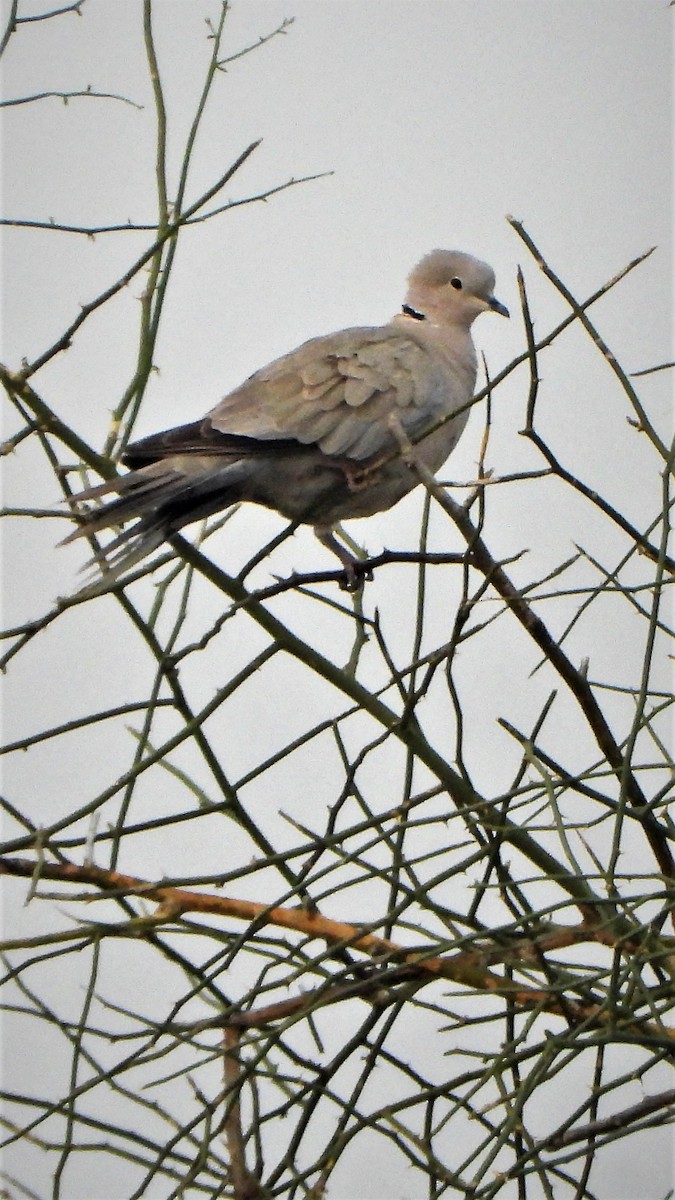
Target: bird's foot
{"points": [[355, 576]]}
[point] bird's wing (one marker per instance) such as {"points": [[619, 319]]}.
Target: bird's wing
{"points": [[337, 392]]}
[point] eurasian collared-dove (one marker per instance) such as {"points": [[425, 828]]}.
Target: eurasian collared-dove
{"points": [[312, 435]]}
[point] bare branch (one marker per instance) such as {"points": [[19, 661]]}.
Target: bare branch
{"points": [[169, 232], [87, 92]]}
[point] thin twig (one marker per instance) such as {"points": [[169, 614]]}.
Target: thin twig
{"points": [[575, 679], [66, 96], [171, 230], [624, 1119]]}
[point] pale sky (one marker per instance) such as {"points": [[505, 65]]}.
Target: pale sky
{"points": [[436, 119]]}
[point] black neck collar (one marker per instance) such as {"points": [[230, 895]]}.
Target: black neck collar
{"points": [[411, 312]]}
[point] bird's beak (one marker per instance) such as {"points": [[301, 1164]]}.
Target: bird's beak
{"points": [[498, 307]]}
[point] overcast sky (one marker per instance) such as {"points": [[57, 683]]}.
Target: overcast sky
{"points": [[435, 119]]}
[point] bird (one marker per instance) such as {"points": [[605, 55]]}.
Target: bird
{"points": [[316, 435]]}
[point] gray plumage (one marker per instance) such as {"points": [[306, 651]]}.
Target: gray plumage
{"points": [[311, 434]]}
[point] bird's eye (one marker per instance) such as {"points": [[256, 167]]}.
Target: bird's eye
{"points": [[456, 283]]}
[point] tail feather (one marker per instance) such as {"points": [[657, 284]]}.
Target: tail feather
{"points": [[137, 493], [104, 569], [163, 496]]}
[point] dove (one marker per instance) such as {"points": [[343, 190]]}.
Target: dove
{"points": [[316, 434]]}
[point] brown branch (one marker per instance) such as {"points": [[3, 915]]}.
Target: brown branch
{"points": [[620, 1120], [469, 968], [246, 1186]]}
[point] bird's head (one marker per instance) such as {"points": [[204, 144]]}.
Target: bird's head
{"points": [[448, 287]]}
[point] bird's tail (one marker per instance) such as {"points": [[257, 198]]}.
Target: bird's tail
{"points": [[160, 498]]}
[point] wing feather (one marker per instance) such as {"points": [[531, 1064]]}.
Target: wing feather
{"points": [[338, 391]]}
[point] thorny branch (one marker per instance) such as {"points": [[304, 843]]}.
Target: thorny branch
{"points": [[510, 929], [469, 968]]}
